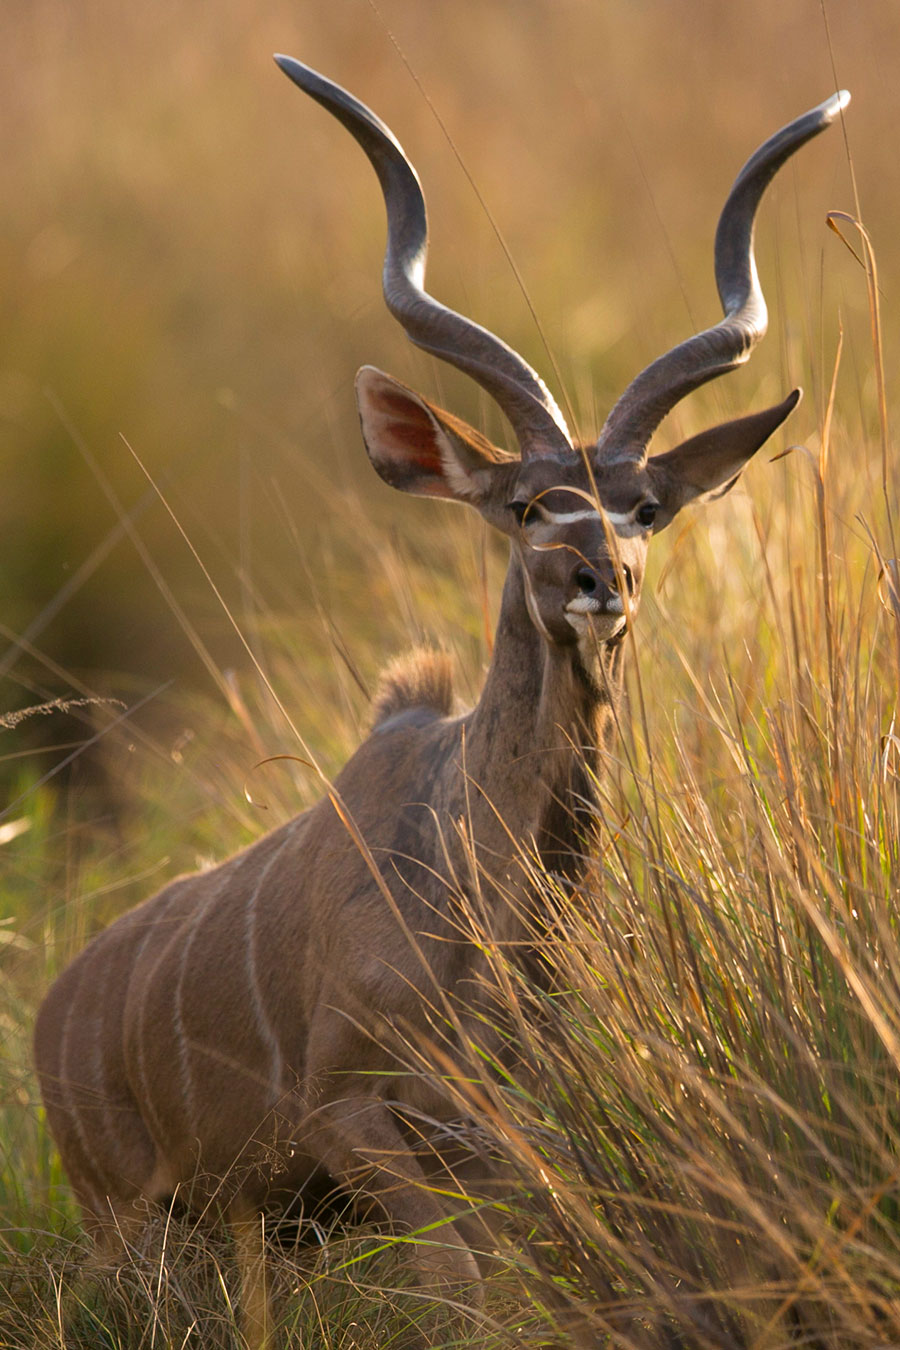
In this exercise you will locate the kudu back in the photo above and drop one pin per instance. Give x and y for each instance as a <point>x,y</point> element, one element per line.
<point>232,1035</point>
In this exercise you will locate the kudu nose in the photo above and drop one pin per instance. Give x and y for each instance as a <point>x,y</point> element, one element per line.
<point>595,581</point>
<point>587,581</point>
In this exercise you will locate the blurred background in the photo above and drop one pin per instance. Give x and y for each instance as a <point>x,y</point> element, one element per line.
<point>189,279</point>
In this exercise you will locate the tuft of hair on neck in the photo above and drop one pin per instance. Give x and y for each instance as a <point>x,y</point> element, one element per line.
<point>422,678</point>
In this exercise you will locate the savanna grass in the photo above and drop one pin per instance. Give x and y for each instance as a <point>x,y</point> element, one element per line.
<point>702,1122</point>
<point>709,1138</point>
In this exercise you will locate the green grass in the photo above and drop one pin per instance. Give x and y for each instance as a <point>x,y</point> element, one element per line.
<point>705,1126</point>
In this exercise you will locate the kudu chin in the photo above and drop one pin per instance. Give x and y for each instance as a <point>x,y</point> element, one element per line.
<point>231,1036</point>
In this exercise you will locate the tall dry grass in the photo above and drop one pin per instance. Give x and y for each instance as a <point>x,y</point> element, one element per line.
<point>704,1128</point>
<point>191,259</point>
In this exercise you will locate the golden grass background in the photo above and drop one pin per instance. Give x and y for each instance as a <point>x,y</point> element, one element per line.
<point>191,258</point>
<point>190,261</point>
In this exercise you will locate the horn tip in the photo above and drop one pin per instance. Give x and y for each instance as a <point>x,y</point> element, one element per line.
<point>834,106</point>
<point>293,69</point>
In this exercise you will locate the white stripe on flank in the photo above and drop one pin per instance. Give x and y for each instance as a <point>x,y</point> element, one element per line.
<point>189,1102</point>
<point>110,1122</point>
<point>66,1085</point>
<point>147,1108</point>
<point>266,1029</point>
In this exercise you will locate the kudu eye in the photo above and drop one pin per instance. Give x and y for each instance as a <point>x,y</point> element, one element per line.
<point>519,510</point>
<point>646,514</point>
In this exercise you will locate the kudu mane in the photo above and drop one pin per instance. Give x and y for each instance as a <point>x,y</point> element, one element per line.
<point>418,679</point>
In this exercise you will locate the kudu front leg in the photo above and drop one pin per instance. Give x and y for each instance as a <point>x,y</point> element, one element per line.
<point>359,1140</point>
<point>246,1223</point>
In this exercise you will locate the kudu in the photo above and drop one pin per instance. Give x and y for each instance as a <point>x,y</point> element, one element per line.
<point>232,1034</point>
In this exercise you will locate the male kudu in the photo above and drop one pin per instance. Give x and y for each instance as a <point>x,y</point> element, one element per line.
<point>232,1034</point>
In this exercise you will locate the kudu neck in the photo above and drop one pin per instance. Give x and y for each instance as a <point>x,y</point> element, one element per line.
<point>556,691</point>
<point>534,739</point>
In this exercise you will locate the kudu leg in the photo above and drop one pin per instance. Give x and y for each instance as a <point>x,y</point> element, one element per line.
<point>246,1224</point>
<point>360,1142</point>
<point>473,1187</point>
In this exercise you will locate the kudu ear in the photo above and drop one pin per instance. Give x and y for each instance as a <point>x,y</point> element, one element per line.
<point>418,447</point>
<point>710,464</point>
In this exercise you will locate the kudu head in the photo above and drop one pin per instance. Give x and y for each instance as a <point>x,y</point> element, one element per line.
<point>579,517</point>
